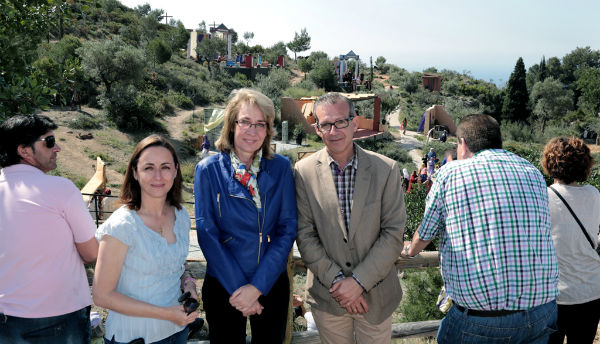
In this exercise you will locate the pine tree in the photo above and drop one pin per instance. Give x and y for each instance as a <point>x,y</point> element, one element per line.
<point>516,99</point>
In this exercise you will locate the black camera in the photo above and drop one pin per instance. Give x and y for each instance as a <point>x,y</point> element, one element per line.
<point>189,303</point>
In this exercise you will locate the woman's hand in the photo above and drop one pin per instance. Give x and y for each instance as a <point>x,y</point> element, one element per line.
<point>177,315</point>
<point>255,308</point>
<point>245,297</point>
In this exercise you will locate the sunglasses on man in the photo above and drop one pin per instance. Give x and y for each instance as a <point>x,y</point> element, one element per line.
<point>50,141</point>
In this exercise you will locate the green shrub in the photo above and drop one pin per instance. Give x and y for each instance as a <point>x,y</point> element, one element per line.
<point>290,154</point>
<point>415,208</point>
<point>273,84</point>
<point>299,131</point>
<point>187,171</point>
<point>516,132</point>
<point>388,148</point>
<point>105,157</point>
<point>84,122</point>
<point>422,287</point>
<point>180,100</point>
<point>80,182</point>
<point>162,106</point>
<point>131,109</point>
<point>323,75</point>
<point>531,152</point>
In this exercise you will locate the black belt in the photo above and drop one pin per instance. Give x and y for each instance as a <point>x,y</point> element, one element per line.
<point>478,313</point>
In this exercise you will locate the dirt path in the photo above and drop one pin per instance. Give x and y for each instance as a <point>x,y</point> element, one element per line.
<point>297,76</point>
<point>176,124</point>
<point>408,141</point>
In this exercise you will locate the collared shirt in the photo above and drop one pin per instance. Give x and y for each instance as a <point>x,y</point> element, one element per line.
<point>344,185</point>
<point>496,249</point>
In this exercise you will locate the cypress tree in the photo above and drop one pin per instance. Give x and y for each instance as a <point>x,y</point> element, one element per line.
<point>543,73</point>
<point>516,100</point>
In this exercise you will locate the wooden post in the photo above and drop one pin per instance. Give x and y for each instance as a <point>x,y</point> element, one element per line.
<point>290,317</point>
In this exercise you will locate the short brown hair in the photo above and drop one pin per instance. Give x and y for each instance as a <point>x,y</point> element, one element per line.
<point>479,132</point>
<point>236,100</point>
<point>131,193</point>
<point>567,159</point>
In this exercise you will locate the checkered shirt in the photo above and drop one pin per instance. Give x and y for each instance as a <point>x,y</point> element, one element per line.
<point>344,185</point>
<point>496,250</point>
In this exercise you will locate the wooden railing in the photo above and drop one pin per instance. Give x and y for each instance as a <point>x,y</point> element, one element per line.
<point>399,330</point>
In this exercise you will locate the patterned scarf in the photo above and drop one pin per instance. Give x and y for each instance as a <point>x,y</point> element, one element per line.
<point>247,177</point>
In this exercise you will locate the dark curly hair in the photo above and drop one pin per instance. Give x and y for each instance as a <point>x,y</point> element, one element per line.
<point>567,159</point>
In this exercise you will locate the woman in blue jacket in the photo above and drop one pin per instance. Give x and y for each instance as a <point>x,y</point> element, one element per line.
<point>246,223</point>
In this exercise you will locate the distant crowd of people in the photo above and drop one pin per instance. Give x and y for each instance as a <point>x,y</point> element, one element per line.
<point>517,258</point>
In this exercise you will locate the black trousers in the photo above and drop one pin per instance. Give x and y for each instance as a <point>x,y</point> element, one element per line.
<point>227,325</point>
<point>578,322</point>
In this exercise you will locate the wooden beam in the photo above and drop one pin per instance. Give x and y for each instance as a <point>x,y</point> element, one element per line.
<point>422,260</point>
<point>400,330</point>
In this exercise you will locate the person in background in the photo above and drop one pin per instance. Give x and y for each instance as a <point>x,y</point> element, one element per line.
<point>350,230</point>
<point>246,221</point>
<point>423,173</point>
<point>404,124</point>
<point>568,161</point>
<point>444,136</point>
<point>449,155</point>
<point>414,179</point>
<point>431,155</point>
<point>205,146</point>
<point>405,179</point>
<point>140,272</point>
<point>430,167</point>
<point>46,235</point>
<point>496,252</point>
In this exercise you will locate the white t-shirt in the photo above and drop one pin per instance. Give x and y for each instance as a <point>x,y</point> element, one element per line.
<point>578,263</point>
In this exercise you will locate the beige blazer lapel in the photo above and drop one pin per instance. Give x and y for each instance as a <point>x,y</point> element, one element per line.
<point>361,189</point>
<point>325,183</point>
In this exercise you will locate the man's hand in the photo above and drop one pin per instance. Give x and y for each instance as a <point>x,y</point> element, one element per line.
<point>358,307</point>
<point>346,291</point>
<point>244,298</point>
<point>402,253</point>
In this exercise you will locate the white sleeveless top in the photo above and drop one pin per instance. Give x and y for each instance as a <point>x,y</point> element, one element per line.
<point>578,263</point>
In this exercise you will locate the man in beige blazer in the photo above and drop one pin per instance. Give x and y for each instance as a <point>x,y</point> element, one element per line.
<point>351,218</point>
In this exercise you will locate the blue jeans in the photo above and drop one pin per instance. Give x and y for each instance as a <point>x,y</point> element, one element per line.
<point>531,326</point>
<point>72,328</point>
<point>177,338</point>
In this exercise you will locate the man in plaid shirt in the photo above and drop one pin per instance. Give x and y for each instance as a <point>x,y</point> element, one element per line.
<point>496,252</point>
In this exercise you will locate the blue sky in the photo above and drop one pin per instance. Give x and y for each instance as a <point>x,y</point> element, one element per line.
<point>483,37</point>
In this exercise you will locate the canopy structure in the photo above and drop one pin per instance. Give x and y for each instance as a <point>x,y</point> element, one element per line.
<point>437,115</point>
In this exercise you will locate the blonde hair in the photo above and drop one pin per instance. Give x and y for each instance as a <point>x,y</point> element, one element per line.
<point>236,100</point>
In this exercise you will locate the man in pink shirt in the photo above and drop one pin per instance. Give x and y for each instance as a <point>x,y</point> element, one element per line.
<point>46,235</point>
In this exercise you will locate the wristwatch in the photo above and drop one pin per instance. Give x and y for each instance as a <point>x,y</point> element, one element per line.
<point>406,248</point>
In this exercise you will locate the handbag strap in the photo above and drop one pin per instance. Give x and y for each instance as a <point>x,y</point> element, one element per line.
<point>587,236</point>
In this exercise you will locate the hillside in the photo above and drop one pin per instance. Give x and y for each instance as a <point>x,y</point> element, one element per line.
<point>76,161</point>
